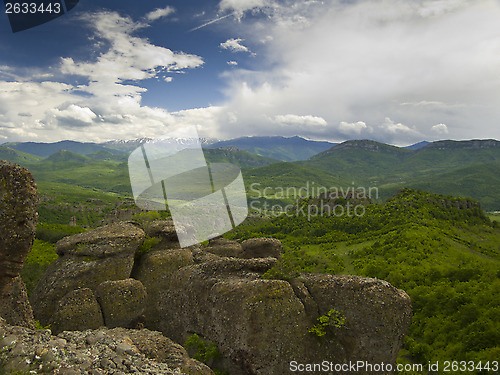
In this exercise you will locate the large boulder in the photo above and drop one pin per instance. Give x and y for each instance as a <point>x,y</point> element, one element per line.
<point>261,326</point>
<point>122,302</point>
<point>85,261</point>
<point>77,311</point>
<point>377,314</point>
<point>261,248</point>
<point>224,248</point>
<point>18,217</point>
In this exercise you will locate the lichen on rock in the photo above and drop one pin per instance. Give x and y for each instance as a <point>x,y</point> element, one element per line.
<point>18,217</point>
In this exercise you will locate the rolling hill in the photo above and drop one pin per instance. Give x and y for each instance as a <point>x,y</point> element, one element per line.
<point>14,156</point>
<point>368,161</point>
<point>461,168</point>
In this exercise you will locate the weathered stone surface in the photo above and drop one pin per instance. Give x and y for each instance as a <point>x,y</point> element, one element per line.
<point>261,325</point>
<point>103,351</point>
<point>122,302</point>
<point>261,248</point>
<point>161,228</point>
<point>224,248</point>
<point>164,230</point>
<point>161,349</point>
<point>77,311</point>
<point>15,308</point>
<point>86,260</point>
<point>377,314</point>
<point>154,270</point>
<point>18,217</point>
<point>103,242</point>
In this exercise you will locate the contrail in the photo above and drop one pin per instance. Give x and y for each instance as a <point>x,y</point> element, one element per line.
<point>212,21</point>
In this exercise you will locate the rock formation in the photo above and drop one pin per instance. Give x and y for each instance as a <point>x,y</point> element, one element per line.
<point>262,325</point>
<point>85,261</point>
<point>259,325</point>
<point>18,217</point>
<point>105,277</point>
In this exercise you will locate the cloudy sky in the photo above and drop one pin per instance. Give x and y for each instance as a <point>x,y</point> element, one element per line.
<point>396,71</point>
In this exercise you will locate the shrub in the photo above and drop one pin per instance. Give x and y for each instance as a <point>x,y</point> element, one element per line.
<point>204,351</point>
<point>332,318</point>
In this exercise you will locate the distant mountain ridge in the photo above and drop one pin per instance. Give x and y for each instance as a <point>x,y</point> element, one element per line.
<point>274,147</point>
<point>280,148</point>
<point>47,149</point>
<point>465,168</point>
<point>364,144</point>
<point>469,144</point>
<point>418,145</point>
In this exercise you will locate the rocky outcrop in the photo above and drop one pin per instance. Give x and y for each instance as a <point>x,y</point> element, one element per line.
<point>18,217</point>
<point>377,314</point>
<point>85,261</point>
<point>103,351</point>
<point>260,325</point>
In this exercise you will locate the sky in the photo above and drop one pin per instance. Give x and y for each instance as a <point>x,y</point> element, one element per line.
<point>395,71</point>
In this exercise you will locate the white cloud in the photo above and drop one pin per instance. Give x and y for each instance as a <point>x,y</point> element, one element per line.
<point>160,13</point>
<point>352,127</point>
<point>234,45</point>
<point>422,63</point>
<point>232,63</point>
<point>440,129</point>
<point>240,6</point>
<point>75,115</point>
<point>395,128</point>
<point>108,104</point>
<point>307,120</point>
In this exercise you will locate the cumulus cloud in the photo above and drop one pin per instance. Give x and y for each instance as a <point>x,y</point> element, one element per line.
<point>352,127</point>
<point>395,128</point>
<point>74,115</point>
<point>440,129</point>
<point>422,63</point>
<point>307,120</point>
<point>160,13</point>
<point>107,104</point>
<point>234,45</point>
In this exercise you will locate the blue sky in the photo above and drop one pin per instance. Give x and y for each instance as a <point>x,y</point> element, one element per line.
<point>394,71</point>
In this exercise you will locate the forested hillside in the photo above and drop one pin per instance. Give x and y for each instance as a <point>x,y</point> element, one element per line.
<point>443,251</point>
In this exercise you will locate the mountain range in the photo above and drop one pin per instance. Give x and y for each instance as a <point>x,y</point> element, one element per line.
<point>279,148</point>
<point>463,168</point>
